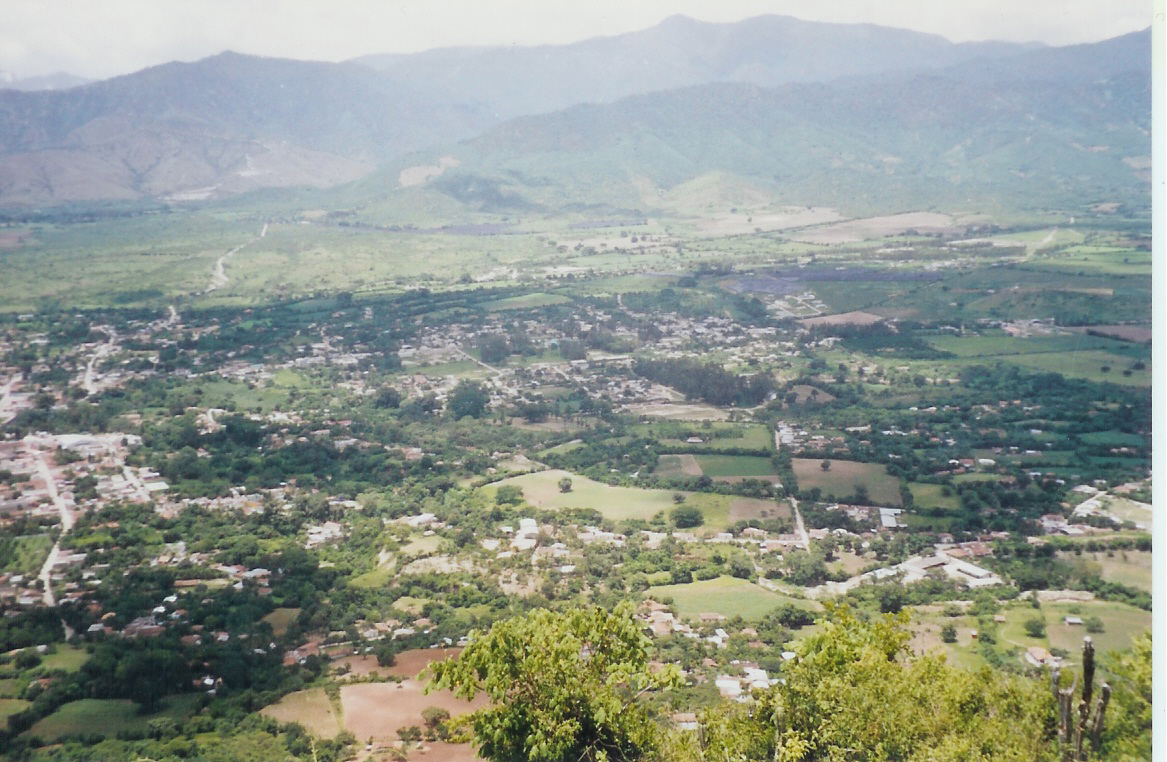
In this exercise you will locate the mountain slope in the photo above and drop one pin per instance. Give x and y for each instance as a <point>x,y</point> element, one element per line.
<point>901,141</point>
<point>679,52</point>
<point>220,125</point>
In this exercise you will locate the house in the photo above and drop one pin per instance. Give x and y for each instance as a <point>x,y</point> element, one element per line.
<point>1039,657</point>
<point>1073,620</point>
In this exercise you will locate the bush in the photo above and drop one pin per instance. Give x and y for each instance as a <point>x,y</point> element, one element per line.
<point>1035,627</point>
<point>948,633</point>
<point>687,516</point>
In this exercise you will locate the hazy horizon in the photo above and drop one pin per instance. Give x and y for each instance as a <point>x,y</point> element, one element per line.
<point>101,40</point>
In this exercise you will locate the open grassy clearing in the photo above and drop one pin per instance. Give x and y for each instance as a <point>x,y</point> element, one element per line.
<point>714,437</point>
<point>932,496</point>
<point>107,717</point>
<point>679,411</point>
<point>1127,567</point>
<point>11,706</point>
<point>844,476</point>
<point>281,619</point>
<point>1002,344</point>
<point>29,554</point>
<point>735,465</point>
<point>679,466</point>
<point>1088,365</point>
<point>617,503</point>
<point>728,596</point>
<point>536,299</point>
<point>1121,623</point>
<point>68,658</point>
<point>310,708</point>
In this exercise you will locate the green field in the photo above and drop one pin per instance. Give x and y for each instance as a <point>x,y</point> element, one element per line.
<point>844,476</point>
<point>616,503</point>
<point>1121,622</point>
<point>68,658</point>
<point>29,554</point>
<point>10,706</point>
<point>281,619</point>
<point>1076,356</point>
<point>735,466</point>
<point>932,496</point>
<point>536,299</point>
<point>728,596</point>
<point>1127,567</point>
<point>715,436</point>
<point>107,717</point>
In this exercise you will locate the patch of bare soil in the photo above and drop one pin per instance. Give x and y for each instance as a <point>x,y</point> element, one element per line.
<point>377,710</point>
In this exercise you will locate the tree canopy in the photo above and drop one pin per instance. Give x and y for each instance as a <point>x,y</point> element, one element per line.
<point>563,686</point>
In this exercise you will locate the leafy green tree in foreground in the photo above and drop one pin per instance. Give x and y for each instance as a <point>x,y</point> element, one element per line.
<point>563,686</point>
<point>855,693</point>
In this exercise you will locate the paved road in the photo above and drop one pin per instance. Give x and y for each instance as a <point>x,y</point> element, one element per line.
<point>66,525</point>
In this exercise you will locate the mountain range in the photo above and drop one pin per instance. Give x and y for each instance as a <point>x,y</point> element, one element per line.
<point>816,113</point>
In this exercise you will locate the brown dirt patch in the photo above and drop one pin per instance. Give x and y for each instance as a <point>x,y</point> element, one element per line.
<point>411,663</point>
<point>445,752</point>
<point>806,396</point>
<point>746,508</point>
<point>377,710</point>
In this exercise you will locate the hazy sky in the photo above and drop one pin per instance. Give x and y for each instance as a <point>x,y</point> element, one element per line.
<point>103,38</point>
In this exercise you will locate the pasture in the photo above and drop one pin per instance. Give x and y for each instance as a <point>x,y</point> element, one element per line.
<point>728,596</point>
<point>541,490</point>
<point>281,619</point>
<point>1121,623</point>
<point>107,717</point>
<point>1127,567</point>
<point>723,466</point>
<point>844,476</point>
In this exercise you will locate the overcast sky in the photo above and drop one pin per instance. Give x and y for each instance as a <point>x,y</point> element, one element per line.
<point>103,38</point>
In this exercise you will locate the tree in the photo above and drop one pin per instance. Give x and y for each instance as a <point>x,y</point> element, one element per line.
<point>948,633</point>
<point>687,516</point>
<point>1035,627</point>
<point>562,686</point>
<point>854,692</point>
<point>493,348</point>
<point>469,398</point>
<point>825,465</point>
<point>508,494</point>
<point>565,484</point>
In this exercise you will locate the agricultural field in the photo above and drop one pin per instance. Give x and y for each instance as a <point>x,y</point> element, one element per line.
<point>311,708</point>
<point>107,716</point>
<point>728,596</point>
<point>844,477</point>
<point>377,710</point>
<point>541,490</point>
<point>735,466</point>
<point>1131,567</point>
<point>281,619</point>
<point>932,496</point>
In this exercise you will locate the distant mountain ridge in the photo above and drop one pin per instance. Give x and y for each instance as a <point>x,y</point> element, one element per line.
<point>696,97</point>
<point>679,52</point>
